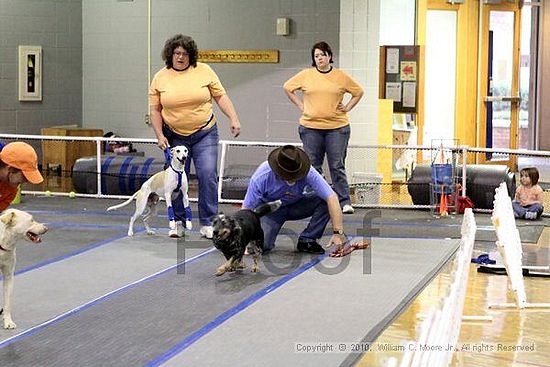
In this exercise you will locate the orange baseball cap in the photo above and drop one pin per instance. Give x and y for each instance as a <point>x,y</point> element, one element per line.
<point>23,157</point>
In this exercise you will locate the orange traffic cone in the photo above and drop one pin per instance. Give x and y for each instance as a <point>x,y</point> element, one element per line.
<point>443,205</point>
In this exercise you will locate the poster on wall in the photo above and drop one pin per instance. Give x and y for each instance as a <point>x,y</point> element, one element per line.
<point>408,70</point>
<point>393,91</point>
<point>30,73</point>
<point>392,61</point>
<point>409,94</point>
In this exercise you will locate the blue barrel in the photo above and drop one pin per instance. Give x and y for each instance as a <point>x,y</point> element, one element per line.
<point>120,175</point>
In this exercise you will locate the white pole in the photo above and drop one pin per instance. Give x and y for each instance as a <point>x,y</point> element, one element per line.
<point>98,151</point>
<point>222,168</point>
<point>464,160</point>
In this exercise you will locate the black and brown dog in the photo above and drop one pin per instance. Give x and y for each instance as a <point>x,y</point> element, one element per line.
<point>233,233</point>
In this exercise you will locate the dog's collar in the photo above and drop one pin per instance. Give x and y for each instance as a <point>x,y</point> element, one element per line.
<point>3,249</point>
<point>175,170</point>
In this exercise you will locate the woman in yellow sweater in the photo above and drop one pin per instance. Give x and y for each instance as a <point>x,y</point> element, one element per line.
<point>180,98</point>
<point>324,125</point>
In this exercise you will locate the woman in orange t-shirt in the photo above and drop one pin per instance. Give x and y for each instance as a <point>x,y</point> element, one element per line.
<point>324,124</point>
<point>180,99</point>
<point>529,195</point>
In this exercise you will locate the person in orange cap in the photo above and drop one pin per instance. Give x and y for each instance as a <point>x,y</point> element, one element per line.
<point>18,164</point>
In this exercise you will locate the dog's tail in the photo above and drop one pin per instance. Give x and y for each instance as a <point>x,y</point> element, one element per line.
<point>118,206</point>
<point>267,208</point>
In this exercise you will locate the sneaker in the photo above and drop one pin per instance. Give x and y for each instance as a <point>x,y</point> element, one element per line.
<point>207,231</point>
<point>348,209</point>
<point>310,247</point>
<point>531,215</point>
<point>176,232</point>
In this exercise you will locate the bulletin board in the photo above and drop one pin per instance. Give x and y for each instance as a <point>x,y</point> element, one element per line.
<point>399,67</point>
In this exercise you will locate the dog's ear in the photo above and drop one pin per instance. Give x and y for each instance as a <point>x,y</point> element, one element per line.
<point>8,218</point>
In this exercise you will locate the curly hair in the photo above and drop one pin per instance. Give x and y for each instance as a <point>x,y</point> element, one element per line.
<point>176,41</point>
<point>323,46</point>
<point>533,174</point>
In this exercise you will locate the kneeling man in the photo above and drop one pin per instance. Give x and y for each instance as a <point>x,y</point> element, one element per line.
<point>287,175</point>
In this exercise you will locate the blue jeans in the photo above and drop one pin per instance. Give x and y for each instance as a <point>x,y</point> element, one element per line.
<point>203,150</point>
<point>309,206</point>
<point>519,211</point>
<point>334,143</point>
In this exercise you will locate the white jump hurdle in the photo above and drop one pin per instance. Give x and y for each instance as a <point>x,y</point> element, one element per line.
<point>440,330</point>
<point>509,246</point>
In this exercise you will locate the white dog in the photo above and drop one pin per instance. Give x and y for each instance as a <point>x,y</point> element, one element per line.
<point>168,184</point>
<point>14,224</point>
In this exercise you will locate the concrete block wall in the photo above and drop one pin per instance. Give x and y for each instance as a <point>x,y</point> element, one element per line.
<point>115,58</point>
<point>359,56</point>
<point>56,25</point>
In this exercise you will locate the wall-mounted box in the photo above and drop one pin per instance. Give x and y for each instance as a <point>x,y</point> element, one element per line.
<point>30,73</point>
<point>283,26</point>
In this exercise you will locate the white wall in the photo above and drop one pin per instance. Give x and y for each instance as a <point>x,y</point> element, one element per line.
<point>359,56</point>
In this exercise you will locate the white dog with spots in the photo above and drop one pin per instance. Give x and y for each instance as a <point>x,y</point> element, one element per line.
<point>14,224</point>
<point>167,184</point>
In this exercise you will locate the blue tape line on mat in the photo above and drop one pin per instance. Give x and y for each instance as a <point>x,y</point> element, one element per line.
<point>188,341</point>
<point>104,168</point>
<point>84,225</point>
<point>98,300</point>
<point>77,212</point>
<point>70,254</point>
<point>122,175</point>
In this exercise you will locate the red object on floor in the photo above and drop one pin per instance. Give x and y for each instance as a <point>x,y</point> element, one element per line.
<point>348,249</point>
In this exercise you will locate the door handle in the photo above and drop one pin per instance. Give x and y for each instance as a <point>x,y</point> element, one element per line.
<point>513,99</point>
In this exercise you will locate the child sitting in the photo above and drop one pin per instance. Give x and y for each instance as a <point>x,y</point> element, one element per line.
<point>529,195</point>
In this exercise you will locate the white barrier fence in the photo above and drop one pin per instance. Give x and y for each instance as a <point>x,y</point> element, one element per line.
<point>440,330</point>
<point>373,173</point>
<point>509,246</point>
<point>509,243</point>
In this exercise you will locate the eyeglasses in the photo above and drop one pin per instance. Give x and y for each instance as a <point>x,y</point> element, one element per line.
<point>181,54</point>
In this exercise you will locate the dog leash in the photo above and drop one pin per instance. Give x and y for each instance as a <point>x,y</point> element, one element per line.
<point>167,156</point>
<point>168,162</point>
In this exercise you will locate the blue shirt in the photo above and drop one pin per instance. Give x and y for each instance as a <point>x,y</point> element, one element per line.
<point>266,186</point>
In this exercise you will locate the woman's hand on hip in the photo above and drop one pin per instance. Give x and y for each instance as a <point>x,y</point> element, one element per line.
<point>342,108</point>
<point>162,142</point>
<point>235,127</point>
